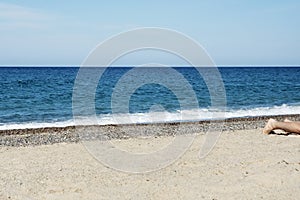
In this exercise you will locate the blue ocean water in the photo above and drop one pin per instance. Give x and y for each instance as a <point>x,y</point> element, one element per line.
<point>42,96</point>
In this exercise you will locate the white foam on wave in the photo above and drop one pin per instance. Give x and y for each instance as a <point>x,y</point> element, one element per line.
<point>31,125</point>
<point>162,117</point>
<point>265,111</point>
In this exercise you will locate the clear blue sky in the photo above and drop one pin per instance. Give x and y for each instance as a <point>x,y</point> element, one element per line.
<point>234,32</point>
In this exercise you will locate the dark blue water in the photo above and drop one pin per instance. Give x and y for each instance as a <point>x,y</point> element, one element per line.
<point>43,94</point>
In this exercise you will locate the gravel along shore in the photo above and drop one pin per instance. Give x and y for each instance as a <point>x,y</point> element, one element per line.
<point>71,134</point>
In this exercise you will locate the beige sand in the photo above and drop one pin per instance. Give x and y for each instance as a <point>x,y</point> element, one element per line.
<point>243,165</point>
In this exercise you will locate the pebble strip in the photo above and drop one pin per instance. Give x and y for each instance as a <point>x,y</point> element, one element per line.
<point>51,135</point>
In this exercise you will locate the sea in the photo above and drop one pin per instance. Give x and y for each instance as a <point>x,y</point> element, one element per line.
<point>34,97</point>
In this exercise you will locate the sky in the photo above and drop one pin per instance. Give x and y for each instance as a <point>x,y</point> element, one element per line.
<point>253,32</point>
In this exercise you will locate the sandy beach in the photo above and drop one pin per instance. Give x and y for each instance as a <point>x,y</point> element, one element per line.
<point>244,164</point>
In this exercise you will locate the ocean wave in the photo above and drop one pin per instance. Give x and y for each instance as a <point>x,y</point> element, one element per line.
<point>161,117</point>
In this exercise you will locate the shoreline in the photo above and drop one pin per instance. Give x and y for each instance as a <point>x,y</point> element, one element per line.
<point>74,134</point>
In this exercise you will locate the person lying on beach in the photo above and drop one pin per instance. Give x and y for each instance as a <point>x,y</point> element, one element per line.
<point>286,125</point>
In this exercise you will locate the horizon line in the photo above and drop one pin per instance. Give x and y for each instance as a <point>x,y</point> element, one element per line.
<point>132,65</point>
